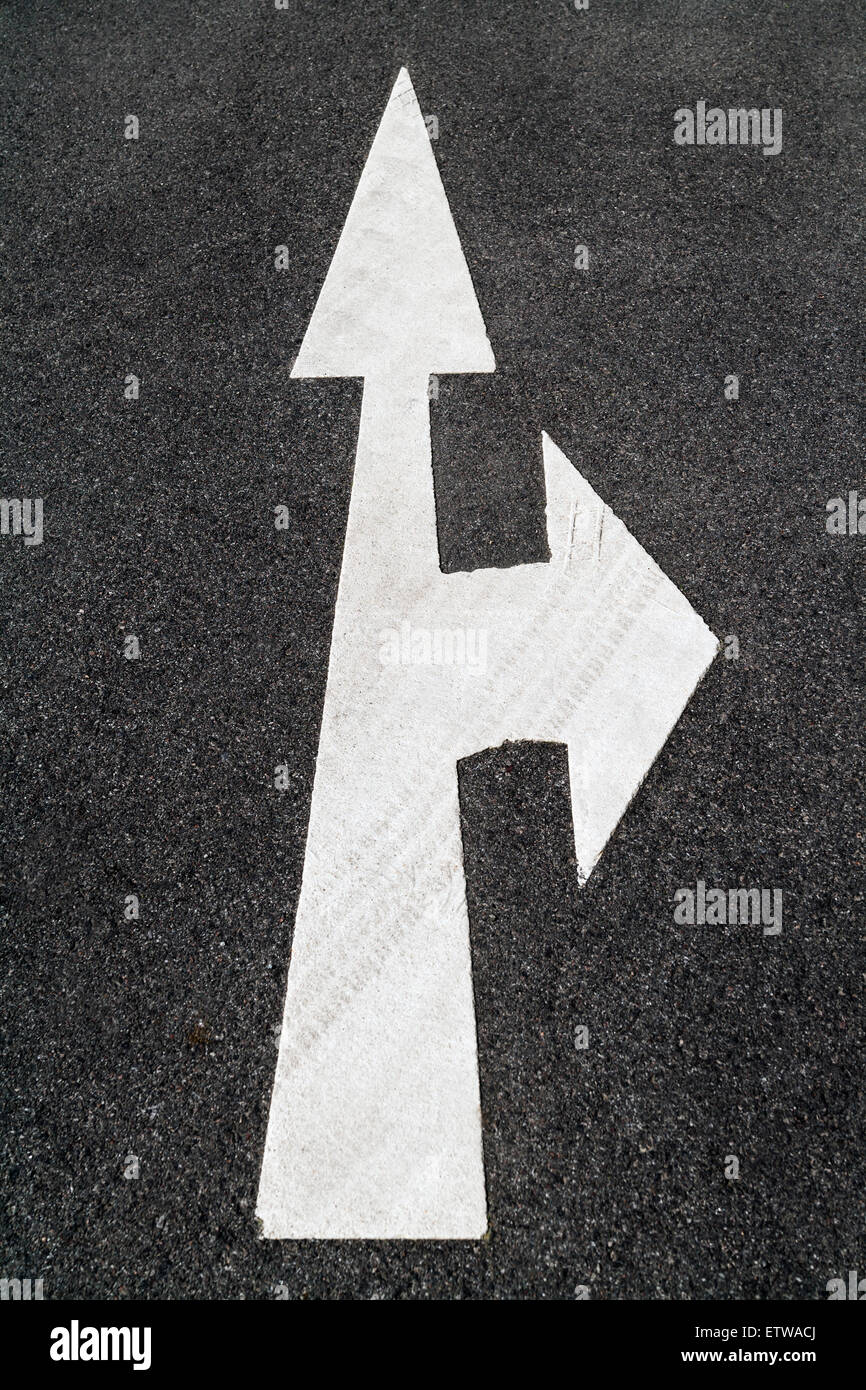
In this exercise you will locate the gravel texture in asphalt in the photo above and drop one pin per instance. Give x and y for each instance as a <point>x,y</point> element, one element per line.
<point>155,1038</point>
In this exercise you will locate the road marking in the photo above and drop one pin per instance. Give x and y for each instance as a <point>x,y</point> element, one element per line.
<point>375,1126</point>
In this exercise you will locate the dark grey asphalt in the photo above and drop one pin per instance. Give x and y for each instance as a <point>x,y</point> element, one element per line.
<point>155,1038</point>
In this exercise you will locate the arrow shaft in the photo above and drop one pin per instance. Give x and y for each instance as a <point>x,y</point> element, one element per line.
<point>375,1117</point>
<point>391,540</point>
<point>375,1124</point>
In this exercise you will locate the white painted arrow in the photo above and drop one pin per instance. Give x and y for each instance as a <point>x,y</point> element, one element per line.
<point>375,1127</point>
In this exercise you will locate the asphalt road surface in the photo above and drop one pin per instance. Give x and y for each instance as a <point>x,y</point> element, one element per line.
<point>154,1039</point>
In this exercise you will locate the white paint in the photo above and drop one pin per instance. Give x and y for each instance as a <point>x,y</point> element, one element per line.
<point>398,296</point>
<point>374,1128</point>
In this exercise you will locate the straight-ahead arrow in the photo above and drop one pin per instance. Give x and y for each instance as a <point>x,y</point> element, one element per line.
<point>375,1127</point>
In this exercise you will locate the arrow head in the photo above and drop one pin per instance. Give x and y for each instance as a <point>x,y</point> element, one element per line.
<point>398,298</point>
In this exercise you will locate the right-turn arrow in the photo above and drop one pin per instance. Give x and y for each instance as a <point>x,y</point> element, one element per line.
<point>375,1127</point>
